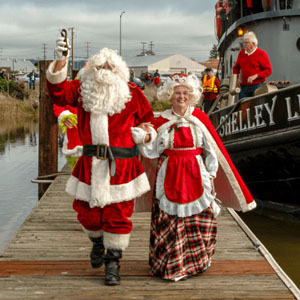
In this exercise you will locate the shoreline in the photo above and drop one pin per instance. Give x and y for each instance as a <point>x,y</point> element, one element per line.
<point>12,108</point>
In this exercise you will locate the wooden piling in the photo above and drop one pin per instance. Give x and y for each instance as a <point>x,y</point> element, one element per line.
<point>48,132</point>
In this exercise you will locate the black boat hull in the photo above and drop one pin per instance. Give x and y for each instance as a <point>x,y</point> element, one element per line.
<point>262,136</point>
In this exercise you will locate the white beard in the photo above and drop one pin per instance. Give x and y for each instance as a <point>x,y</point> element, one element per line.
<point>103,91</point>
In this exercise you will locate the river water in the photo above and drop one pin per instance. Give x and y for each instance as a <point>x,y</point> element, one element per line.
<point>19,164</point>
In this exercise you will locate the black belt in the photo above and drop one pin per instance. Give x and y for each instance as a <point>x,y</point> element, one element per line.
<point>102,151</point>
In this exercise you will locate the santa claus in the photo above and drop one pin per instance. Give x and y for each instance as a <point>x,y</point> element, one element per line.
<point>108,174</point>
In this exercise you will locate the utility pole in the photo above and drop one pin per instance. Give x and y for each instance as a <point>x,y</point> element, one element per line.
<point>87,50</point>
<point>44,50</point>
<point>72,48</point>
<point>123,12</point>
<point>143,50</point>
<point>151,47</point>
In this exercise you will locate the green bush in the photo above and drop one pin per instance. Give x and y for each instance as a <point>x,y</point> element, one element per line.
<point>3,85</point>
<point>161,105</point>
<point>16,89</point>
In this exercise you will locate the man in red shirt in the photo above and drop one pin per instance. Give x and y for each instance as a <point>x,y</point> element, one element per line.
<point>254,65</point>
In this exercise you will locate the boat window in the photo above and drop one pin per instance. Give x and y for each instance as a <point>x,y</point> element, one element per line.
<point>298,43</point>
<point>286,4</point>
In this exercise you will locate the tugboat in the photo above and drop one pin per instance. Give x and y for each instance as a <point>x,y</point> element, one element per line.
<point>262,133</point>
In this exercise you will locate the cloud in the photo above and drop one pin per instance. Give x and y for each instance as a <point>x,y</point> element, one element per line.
<point>29,27</point>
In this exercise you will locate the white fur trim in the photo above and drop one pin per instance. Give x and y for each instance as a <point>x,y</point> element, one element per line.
<point>56,77</point>
<point>138,135</point>
<point>75,152</point>
<point>115,241</point>
<point>78,189</point>
<point>153,135</point>
<point>234,185</point>
<point>114,193</point>
<point>251,205</point>
<point>93,234</point>
<point>63,114</point>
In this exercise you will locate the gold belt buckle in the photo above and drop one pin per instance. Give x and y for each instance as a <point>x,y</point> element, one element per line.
<point>98,152</point>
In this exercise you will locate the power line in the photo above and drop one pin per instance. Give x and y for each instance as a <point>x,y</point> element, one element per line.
<point>44,50</point>
<point>143,50</point>
<point>87,49</point>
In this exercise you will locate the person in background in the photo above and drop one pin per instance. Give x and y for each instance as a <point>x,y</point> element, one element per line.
<point>156,78</point>
<point>131,76</point>
<point>211,88</point>
<point>183,222</point>
<point>148,78</point>
<point>2,73</point>
<point>32,78</point>
<point>254,65</point>
<point>108,175</point>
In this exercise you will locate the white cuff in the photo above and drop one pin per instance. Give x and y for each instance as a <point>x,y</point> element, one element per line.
<point>75,152</point>
<point>139,135</point>
<point>56,77</point>
<point>63,114</point>
<point>153,135</point>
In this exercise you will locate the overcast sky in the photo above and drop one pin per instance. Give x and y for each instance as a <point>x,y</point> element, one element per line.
<point>173,26</point>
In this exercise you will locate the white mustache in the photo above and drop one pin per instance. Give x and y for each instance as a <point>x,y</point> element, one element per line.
<point>106,76</point>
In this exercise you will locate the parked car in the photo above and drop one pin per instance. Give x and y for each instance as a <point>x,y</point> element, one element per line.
<point>164,77</point>
<point>139,83</point>
<point>23,78</point>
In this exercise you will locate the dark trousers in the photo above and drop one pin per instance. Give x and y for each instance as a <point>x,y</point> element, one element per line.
<point>207,105</point>
<point>31,84</point>
<point>248,90</point>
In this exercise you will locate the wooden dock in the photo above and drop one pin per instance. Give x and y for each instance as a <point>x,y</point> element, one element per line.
<point>48,258</point>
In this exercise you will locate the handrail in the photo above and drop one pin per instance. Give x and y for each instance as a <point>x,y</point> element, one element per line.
<point>266,254</point>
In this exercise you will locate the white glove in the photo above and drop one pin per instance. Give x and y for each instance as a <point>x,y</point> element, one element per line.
<point>62,46</point>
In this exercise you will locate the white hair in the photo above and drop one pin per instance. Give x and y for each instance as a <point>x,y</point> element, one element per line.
<point>251,36</point>
<point>191,82</point>
<point>105,90</point>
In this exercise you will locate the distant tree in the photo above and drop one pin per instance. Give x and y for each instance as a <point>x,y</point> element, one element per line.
<point>213,52</point>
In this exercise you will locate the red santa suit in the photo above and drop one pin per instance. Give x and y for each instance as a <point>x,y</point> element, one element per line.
<point>104,202</point>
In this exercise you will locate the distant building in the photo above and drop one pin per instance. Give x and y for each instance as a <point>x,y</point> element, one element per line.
<point>17,65</point>
<point>166,64</point>
<point>212,63</point>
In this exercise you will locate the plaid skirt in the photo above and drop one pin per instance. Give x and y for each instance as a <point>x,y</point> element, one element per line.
<point>181,246</point>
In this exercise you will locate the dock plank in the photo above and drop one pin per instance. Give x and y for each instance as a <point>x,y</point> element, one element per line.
<point>48,258</point>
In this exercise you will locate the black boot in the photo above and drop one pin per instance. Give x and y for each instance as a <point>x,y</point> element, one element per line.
<point>97,253</point>
<point>112,266</point>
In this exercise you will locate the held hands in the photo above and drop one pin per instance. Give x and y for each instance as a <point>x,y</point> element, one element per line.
<point>61,46</point>
<point>142,133</point>
<point>252,78</point>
